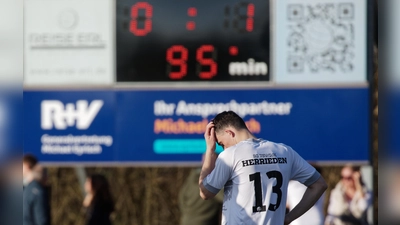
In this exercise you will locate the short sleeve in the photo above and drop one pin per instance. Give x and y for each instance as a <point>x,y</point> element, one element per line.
<point>222,172</point>
<point>302,171</point>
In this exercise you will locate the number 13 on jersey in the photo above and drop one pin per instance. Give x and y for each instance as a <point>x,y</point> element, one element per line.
<point>256,177</point>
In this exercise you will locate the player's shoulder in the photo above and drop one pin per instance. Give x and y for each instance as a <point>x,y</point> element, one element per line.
<point>280,149</point>
<point>229,153</point>
<point>278,146</point>
<point>234,148</point>
<point>257,144</point>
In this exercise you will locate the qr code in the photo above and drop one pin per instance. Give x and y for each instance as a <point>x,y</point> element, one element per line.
<point>320,37</point>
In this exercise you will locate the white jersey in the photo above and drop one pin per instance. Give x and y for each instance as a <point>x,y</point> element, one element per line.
<point>255,174</point>
<point>315,215</point>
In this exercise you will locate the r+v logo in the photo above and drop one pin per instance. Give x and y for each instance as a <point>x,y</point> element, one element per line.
<point>80,115</point>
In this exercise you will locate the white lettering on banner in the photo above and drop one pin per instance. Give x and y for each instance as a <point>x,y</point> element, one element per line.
<point>163,109</point>
<point>78,145</point>
<point>71,149</point>
<point>263,108</point>
<point>53,113</point>
<point>77,140</point>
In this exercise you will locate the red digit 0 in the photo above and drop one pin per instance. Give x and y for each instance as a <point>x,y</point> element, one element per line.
<point>181,61</point>
<point>133,27</point>
<point>201,61</point>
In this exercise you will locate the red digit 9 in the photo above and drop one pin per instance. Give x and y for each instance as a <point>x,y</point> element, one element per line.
<point>180,61</point>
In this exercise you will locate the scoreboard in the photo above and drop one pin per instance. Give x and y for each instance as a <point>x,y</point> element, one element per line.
<point>192,41</point>
<point>135,81</point>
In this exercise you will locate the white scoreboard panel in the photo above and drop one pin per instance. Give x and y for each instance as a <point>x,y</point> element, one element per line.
<point>68,42</point>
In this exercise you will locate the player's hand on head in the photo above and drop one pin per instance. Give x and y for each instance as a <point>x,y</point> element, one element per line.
<point>209,136</point>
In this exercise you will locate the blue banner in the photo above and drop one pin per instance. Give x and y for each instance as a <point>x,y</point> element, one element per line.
<point>69,126</point>
<point>167,126</point>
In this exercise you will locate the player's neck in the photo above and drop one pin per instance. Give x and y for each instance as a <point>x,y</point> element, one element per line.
<point>244,135</point>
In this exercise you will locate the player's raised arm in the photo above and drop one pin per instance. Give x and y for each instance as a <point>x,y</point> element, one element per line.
<point>310,197</point>
<point>209,160</point>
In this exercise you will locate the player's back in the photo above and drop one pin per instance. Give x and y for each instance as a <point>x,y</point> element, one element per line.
<point>256,190</point>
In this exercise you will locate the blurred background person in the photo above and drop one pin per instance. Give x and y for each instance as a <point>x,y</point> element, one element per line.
<point>98,202</point>
<point>349,200</point>
<point>389,194</point>
<point>194,210</point>
<point>11,190</point>
<point>315,215</point>
<point>36,204</point>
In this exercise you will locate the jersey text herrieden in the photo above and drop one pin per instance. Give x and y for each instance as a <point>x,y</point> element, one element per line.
<point>252,162</point>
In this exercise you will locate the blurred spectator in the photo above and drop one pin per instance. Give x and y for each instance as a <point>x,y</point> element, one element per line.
<point>11,190</point>
<point>98,201</point>
<point>389,193</point>
<point>36,207</point>
<point>194,210</point>
<point>315,215</point>
<point>349,200</point>
<point>393,192</point>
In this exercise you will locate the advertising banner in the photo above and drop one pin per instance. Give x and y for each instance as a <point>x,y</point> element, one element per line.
<point>167,126</point>
<point>68,42</point>
<point>70,126</point>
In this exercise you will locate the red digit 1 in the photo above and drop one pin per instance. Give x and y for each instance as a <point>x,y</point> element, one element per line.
<point>181,62</point>
<point>241,19</point>
<point>250,15</point>
<point>201,61</point>
<point>133,26</point>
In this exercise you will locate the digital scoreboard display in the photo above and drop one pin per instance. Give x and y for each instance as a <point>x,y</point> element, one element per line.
<point>182,40</point>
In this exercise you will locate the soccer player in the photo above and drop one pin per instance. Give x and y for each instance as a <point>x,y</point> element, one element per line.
<point>254,174</point>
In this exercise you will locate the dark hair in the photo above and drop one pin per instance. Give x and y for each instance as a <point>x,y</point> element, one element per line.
<point>30,160</point>
<point>101,190</point>
<point>355,168</point>
<point>228,118</point>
